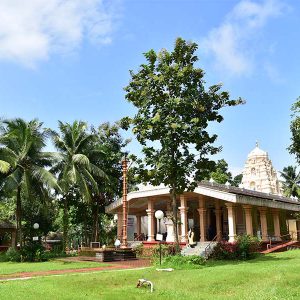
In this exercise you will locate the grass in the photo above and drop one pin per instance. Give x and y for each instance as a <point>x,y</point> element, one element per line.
<point>274,276</point>
<point>13,267</point>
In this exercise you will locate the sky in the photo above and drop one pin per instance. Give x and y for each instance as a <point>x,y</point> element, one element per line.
<point>70,59</point>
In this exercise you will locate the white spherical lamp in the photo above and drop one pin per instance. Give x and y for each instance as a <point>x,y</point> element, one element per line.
<point>159,214</point>
<point>36,226</point>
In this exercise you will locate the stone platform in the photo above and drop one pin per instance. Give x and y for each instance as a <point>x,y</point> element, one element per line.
<point>107,254</point>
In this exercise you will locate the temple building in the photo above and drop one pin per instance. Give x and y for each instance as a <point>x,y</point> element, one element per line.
<point>215,211</point>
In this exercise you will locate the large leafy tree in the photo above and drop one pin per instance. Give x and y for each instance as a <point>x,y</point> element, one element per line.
<point>291,182</point>
<point>24,164</point>
<point>74,169</point>
<point>173,111</point>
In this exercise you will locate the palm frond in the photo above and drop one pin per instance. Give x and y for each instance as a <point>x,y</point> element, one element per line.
<point>81,160</point>
<point>45,177</point>
<point>4,167</point>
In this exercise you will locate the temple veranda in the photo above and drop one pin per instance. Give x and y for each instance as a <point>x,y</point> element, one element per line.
<point>212,209</point>
<point>215,211</point>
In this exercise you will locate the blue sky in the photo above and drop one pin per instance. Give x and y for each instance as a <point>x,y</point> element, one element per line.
<point>67,60</point>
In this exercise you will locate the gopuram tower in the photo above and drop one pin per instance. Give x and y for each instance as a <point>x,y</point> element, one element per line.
<point>259,174</point>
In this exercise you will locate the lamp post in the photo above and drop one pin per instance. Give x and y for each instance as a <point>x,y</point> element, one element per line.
<point>159,214</point>
<point>36,226</point>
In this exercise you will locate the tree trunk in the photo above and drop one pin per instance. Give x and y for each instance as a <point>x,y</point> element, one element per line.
<point>85,235</point>
<point>66,224</point>
<point>96,222</point>
<point>175,219</point>
<point>19,218</point>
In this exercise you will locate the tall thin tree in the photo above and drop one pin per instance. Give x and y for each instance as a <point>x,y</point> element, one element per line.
<point>74,169</point>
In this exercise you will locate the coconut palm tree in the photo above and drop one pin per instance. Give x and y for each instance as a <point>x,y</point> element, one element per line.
<point>23,163</point>
<point>74,169</point>
<point>291,181</point>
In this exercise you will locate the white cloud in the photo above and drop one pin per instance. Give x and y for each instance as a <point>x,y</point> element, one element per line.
<point>273,73</point>
<point>232,44</point>
<point>32,30</point>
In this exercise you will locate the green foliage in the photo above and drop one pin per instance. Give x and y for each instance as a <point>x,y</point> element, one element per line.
<point>272,276</point>
<point>13,254</point>
<point>221,173</point>
<point>21,146</point>
<point>294,148</point>
<point>291,181</point>
<point>237,180</point>
<point>183,262</point>
<point>139,249</point>
<point>245,247</point>
<point>47,255</point>
<point>33,251</point>
<point>173,111</point>
<point>7,209</point>
<point>166,250</point>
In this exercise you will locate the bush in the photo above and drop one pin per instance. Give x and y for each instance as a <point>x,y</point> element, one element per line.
<point>33,251</point>
<point>13,254</point>
<point>183,262</point>
<point>139,250</point>
<point>3,257</point>
<point>245,247</point>
<point>166,250</point>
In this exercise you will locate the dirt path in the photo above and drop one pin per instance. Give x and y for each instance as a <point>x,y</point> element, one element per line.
<point>120,265</point>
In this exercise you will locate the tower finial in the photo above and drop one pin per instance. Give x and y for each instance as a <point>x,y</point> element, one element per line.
<point>256,144</point>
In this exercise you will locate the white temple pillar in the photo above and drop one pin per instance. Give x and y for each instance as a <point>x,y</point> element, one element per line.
<point>183,218</point>
<point>202,216</point>
<point>169,224</point>
<point>263,223</point>
<point>276,222</point>
<point>248,218</point>
<point>231,222</point>
<point>150,213</point>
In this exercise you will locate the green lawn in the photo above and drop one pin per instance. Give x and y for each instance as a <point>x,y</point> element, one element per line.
<point>12,267</point>
<point>274,276</point>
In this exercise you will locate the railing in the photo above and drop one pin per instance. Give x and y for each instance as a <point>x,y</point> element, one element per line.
<point>269,246</point>
<point>208,247</point>
<point>140,237</point>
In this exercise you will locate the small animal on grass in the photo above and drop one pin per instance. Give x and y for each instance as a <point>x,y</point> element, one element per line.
<point>142,282</point>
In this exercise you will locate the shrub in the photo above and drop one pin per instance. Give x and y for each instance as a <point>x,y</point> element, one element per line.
<point>244,247</point>
<point>3,257</point>
<point>139,249</point>
<point>33,251</point>
<point>247,246</point>
<point>13,254</point>
<point>183,262</point>
<point>166,250</point>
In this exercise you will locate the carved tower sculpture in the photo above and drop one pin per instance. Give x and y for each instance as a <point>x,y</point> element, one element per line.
<point>259,173</point>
